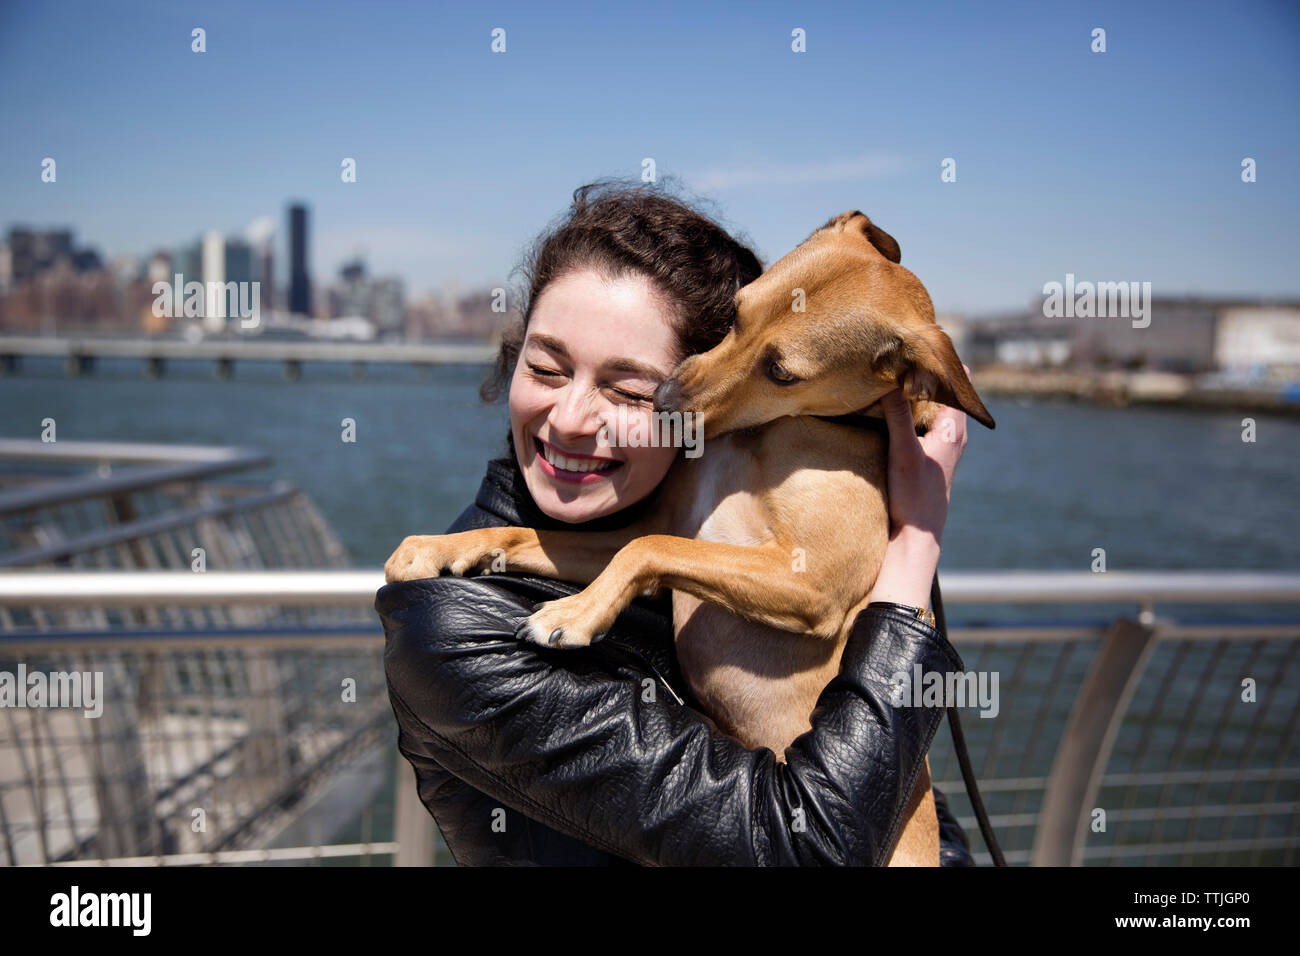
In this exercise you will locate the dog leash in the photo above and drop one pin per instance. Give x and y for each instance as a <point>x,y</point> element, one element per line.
<point>959,743</point>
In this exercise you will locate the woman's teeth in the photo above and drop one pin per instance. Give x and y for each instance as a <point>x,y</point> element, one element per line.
<point>574,464</point>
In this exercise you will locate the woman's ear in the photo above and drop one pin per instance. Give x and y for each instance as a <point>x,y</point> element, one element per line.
<point>931,369</point>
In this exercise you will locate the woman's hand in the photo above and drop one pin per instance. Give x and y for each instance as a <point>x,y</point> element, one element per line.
<point>920,473</point>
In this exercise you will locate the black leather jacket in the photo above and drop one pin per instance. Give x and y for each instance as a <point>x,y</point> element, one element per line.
<point>531,756</point>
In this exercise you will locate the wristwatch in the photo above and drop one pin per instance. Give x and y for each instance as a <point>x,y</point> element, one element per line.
<point>920,613</point>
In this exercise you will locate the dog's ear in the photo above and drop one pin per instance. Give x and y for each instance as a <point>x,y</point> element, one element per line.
<point>936,372</point>
<point>885,244</point>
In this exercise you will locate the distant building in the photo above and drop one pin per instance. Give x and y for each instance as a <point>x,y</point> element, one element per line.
<point>187,262</point>
<point>214,277</point>
<point>453,315</point>
<point>33,251</point>
<point>140,302</point>
<point>299,280</point>
<point>956,328</point>
<point>352,297</point>
<point>353,271</point>
<point>159,267</point>
<point>1179,338</point>
<point>87,260</point>
<point>215,261</point>
<point>1187,334</point>
<point>381,301</point>
<point>240,264</point>
<point>1017,338</point>
<point>1258,336</point>
<point>388,308</point>
<point>266,276</point>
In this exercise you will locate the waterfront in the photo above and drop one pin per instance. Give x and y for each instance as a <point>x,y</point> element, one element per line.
<point>1157,488</point>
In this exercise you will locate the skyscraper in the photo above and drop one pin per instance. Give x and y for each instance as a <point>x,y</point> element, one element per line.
<point>266,275</point>
<point>212,253</point>
<point>299,281</point>
<point>34,251</point>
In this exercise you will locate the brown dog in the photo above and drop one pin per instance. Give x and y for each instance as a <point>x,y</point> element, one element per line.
<point>772,540</point>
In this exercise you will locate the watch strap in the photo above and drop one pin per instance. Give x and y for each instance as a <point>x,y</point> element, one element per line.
<point>920,613</point>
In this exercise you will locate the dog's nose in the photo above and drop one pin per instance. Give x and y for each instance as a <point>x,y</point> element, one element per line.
<point>667,395</point>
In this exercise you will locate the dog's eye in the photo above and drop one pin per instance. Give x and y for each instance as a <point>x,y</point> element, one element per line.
<point>776,371</point>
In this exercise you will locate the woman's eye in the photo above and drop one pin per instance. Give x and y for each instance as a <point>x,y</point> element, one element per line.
<point>633,397</point>
<point>537,369</point>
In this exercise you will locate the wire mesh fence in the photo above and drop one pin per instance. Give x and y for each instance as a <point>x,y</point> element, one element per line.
<point>212,725</point>
<point>1203,767</point>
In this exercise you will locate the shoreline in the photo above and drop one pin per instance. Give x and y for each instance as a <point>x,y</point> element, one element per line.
<point>1116,387</point>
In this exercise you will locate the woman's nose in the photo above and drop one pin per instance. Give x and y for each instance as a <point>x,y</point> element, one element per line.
<point>575,413</point>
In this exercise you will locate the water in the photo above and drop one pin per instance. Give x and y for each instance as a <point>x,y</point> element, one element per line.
<point>1156,488</point>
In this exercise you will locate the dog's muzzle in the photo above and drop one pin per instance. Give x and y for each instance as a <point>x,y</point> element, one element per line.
<point>667,397</point>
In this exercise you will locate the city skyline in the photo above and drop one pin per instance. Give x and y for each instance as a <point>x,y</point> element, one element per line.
<point>219,284</point>
<point>260,238</point>
<point>1067,160</point>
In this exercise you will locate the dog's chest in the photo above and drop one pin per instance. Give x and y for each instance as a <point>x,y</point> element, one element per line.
<point>722,505</point>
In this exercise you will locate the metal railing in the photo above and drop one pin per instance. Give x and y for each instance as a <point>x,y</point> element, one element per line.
<point>222,719</point>
<point>1134,737</point>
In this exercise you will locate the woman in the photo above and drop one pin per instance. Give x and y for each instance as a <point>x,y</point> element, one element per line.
<point>528,755</point>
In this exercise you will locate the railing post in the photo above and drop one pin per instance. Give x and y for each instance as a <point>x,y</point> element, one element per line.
<point>412,823</point>
<point>1086,743</point>
<point>123,798</point>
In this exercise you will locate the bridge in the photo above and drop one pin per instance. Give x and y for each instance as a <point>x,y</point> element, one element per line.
<point>80,353</point>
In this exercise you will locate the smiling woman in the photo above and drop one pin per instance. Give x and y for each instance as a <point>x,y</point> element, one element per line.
<point>570,383</point>
<point>525,754</point>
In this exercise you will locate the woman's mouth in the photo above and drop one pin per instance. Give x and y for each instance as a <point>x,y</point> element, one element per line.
<point>572,468</point>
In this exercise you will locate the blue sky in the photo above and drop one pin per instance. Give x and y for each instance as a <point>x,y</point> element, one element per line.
<point>1117,166</point>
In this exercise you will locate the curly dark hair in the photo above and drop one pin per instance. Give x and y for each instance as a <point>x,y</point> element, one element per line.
<point>620,227</point>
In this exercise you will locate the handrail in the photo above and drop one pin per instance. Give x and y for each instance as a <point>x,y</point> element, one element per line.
<point>280,491</point>
<point>1057,587</point>
<point>64,491</point>
<point>174,588</point>
<point>340,587</point>
<point>309,637</point>
<point>31,448</point>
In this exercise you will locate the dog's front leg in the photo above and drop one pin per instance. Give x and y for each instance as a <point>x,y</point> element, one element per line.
<point>567,555</point>
<point>756,583</point>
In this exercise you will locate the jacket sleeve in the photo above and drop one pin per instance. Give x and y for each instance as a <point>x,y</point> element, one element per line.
<point>558,738</point>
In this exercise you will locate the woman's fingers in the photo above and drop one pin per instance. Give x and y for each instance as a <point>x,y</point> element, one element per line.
<point>946,439</point>
<point>902,430</point>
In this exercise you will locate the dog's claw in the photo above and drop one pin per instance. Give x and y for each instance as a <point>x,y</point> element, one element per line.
<point>556,635</point>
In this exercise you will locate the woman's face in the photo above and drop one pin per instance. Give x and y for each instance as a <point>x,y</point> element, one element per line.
<point>593,343</point>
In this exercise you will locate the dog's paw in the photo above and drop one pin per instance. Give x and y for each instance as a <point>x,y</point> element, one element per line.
<point>567,622</point>
<point>426,556</point>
